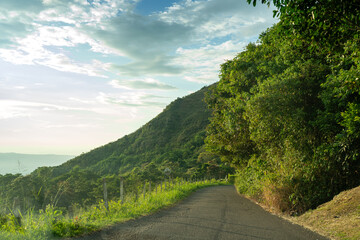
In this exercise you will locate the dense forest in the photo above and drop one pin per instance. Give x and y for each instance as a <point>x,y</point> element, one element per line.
<point>286,111</point>
<point>174,140</point>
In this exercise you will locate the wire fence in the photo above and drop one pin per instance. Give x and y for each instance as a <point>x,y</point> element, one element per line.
<point>126,193</point>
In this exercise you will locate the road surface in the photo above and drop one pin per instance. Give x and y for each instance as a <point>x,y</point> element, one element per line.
<point>211,213</point>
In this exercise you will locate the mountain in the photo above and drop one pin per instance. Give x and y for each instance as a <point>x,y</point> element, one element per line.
<point>174,139</point>
<point>26,163</point>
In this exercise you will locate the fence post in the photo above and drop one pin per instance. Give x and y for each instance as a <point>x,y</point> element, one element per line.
<point>144,189</point>
<point>16,211</point>
<point>121,190</point>
<point>136,192</point>
<point>71,211</point>
<point>105,195</point>
<point>149,187</point>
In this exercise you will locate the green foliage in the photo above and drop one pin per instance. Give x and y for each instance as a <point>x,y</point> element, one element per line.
<point>71,228</point>
<point>286,110</point>
<point>325,24</point>
<point>53,223</point>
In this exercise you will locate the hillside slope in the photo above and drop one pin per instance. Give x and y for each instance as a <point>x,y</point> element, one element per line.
<point>174,138</point>
<point>338,219</point>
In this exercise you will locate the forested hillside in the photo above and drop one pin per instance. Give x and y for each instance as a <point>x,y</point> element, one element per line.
<point>286,112</point>
<point>174,140</point>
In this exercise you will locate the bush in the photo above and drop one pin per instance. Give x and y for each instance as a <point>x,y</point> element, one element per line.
<point>70,228</point>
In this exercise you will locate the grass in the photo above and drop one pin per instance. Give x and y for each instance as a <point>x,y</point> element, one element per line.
<point>54,224</point>
<point>338,219</point>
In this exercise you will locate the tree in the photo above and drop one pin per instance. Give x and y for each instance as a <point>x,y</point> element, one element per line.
<point>286,110</point>
<point>326,24</point>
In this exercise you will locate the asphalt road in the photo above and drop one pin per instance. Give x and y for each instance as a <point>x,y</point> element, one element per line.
<point>210,213</point>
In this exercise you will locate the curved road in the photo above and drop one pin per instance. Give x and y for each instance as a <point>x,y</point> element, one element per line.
<point>210,214</point>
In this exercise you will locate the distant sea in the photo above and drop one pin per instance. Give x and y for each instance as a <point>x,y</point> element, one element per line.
<point>26,163</point>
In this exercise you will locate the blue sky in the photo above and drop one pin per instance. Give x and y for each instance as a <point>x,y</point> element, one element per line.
<point>77,74</point>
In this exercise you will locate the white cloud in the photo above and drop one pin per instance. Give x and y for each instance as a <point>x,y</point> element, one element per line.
<point>13,26</point>
<point>32,50</point>
<point>203,63</point>
<point>29,6</point>
<point>111,27</point>
<point>67,126</point>
<point>129,31</point>
<point>16,109</point>
<point>80,12</point>
<point>130,99</point>
<point>8,112</point>
<point>185,24</point>
<point>81,100</point>
<point>27,36</point>
<point>219,18</point>
<point>30,56</point>
<point>147,83</point>
<point>20,87</point>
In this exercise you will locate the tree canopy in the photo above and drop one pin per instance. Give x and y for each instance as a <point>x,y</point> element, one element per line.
<point>286,109</point>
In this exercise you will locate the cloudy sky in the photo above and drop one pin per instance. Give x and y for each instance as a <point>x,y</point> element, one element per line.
<point>77,74</point>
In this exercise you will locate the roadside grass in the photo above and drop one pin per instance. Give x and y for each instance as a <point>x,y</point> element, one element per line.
<point>338,219</point>
<point>54,224</point>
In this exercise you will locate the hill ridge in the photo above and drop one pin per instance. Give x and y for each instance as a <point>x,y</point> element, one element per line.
<point>182,122</point>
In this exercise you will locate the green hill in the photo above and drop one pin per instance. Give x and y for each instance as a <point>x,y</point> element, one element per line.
<point>174,139</point>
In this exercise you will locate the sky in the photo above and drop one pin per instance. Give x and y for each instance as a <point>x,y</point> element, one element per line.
<point>77,74</point>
